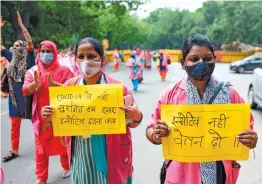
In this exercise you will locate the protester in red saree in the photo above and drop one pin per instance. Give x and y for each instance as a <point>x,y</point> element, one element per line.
<point>47,72</point>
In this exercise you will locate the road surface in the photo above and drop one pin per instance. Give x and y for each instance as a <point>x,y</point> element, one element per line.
<point>147,157</point>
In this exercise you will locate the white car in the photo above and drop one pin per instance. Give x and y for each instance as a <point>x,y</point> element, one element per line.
<point>255,89</point>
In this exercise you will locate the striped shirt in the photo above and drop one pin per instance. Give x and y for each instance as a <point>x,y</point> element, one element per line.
<point>83,170</point>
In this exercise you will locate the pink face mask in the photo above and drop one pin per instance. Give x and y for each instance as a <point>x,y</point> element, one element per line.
<point>89,68</point>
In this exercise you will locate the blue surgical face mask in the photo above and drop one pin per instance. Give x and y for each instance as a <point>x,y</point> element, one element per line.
<point>200,71</point>
<point>47,58</point>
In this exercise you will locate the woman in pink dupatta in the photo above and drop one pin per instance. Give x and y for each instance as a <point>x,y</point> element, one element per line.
<point>47,72</point>
<point>139,58</point>
<point>134,73</point>
<point>148,59</point>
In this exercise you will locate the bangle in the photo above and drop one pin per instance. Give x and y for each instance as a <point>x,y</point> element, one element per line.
<point>140,119</point>
<point>25,31</point>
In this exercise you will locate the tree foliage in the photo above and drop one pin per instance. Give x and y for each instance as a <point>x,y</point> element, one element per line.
<point>67,21</point>
<point>223,22</point>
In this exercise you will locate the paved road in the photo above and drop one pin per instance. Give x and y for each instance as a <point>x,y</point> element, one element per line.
<point>147,157</point>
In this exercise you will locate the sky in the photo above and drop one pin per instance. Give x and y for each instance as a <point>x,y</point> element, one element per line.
<point>145,9</point>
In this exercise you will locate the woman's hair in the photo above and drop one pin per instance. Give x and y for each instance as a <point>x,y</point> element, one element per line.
<point>96,44</point>
<point>198,40</point>
<point>21,43</point>
<point>133,56</point>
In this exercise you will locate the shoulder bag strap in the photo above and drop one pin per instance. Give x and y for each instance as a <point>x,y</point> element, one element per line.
<point>221,85</point>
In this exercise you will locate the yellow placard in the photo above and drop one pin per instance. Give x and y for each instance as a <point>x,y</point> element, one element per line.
<point>85,110</point>
<point>202,133</point>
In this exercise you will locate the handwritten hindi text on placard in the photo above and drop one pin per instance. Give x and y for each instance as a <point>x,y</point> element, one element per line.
<point>205,132</point>
<point>84,110</point>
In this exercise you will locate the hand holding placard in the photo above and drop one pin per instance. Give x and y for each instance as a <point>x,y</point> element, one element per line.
<point>202,133</point>
<point>84,110</point>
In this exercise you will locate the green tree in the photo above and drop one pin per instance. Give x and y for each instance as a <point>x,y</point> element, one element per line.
<point>66,20</point>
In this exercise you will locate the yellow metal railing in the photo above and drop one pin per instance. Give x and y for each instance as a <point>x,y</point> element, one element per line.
<point>176,55</point>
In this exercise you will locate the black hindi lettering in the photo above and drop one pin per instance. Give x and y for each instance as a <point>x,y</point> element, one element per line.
<point>94,121</point>
<point>187,141</point>
<point>72,120</point>
<point>109,110</point>
<point>110,121</point>
<point>88,95</point>
<point>186,120</point>
<point>70,108</point>
<point>236,143</point>
<point>219,122</point>
<point>91,109</point>
<point>103,96</point>
<point>217,139</point>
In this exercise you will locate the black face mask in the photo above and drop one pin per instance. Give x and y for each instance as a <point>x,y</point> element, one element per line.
<point>200,71</point>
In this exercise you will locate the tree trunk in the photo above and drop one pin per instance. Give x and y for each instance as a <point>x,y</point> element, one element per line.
<point>19,35</point>
<point>109,38</point>
<point>25,14</point>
